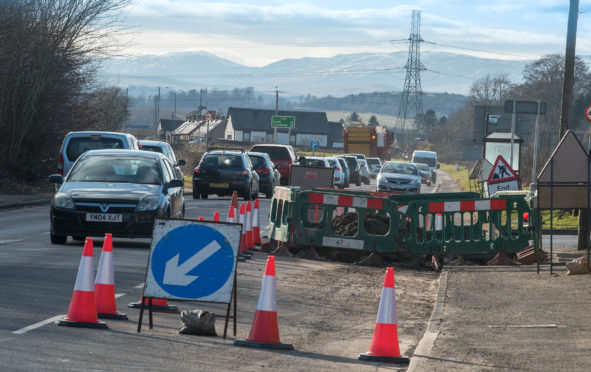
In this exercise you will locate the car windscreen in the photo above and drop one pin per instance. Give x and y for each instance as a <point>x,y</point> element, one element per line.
<point>151,148</point>
<point>423,167</point>
<point>313,163</point>
<point>120,169</point>
<point>79,145</point>
<point>400,168</point>
<point>429,161</point>
<point>222,161</point>
<point>373,162</point>
<point>258,162</point>
<point>276,153</point>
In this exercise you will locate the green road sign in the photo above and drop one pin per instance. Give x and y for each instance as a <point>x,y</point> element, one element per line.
<point>282,121</point>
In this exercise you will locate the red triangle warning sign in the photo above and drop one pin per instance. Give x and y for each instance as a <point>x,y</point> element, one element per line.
<point>501,172</point>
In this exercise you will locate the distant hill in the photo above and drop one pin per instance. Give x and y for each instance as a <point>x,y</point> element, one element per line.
<point>337,76</point>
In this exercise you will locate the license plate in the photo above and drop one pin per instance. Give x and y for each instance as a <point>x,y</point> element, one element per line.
<point>219,185</point>
<point>103,217</point>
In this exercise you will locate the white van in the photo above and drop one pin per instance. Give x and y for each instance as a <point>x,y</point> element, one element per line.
<point>77,143</point>
<point>429,158</point>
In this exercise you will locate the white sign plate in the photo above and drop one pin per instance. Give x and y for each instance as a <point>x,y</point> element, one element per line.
<point>342,243</point>
<point>512,185</point>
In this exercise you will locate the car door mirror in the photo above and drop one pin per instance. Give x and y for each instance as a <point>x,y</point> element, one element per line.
<point>56,178</point>
<point>172,184</point>
<point>181,163</point>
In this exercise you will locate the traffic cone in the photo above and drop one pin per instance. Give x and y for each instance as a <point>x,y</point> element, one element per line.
<point>82,310</point>
<point>234,204</point>
<point>158,304</point>
<point>243,251</point>
<point>265,331</point>
<point>249,236</point>
<point>384,345</point>
<point>256,230</point>
<point>231,215</point>
<point>216,216</point>
<point>104,285</point>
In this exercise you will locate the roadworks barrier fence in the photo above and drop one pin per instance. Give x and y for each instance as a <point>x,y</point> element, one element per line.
<point>426,224</point>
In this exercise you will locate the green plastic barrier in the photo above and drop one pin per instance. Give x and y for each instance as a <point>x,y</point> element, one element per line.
<point>467,226</point>
<point>280,213</point>
<point>346,219</point>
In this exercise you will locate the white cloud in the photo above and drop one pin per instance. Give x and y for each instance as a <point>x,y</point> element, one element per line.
<point>258,32</point>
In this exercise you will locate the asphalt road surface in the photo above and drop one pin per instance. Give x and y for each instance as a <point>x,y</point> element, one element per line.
<point>326,310</point>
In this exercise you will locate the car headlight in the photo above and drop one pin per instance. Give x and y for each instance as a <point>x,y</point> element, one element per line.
<point>62,200</point>
<point>148,203</point>
<point>413,181</point>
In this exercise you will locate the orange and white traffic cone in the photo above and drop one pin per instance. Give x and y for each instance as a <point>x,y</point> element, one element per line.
<point>384,345</point>
<point>104,285</point>
<point>216,216</point>
<point>265,331</point>
<point>256,230</point>
<point>82,310</point>
<point>249,236</point>
<point>158,304</point>
<point>231,215</point>
<point>243,251</point>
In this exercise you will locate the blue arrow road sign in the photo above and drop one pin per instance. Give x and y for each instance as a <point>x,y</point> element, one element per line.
<point>192,261</point>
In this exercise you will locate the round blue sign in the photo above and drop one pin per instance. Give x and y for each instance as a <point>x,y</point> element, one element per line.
<point>192,261</point>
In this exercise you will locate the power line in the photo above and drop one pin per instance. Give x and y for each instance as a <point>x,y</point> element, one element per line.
<point>271,45</point>
<point>475,50</point>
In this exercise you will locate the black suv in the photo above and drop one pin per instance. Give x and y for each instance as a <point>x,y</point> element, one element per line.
<point>222,172</point>
<point>354,176</point>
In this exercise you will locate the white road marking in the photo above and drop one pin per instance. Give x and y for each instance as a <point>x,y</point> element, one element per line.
<point>525,326</point>
<point>38,325</point>
<point>7,241</point>
<point>141,285</point>
<point>117,295</point>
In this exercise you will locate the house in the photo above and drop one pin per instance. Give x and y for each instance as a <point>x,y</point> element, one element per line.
<point>335,135</point>
<point>200,130</point>
<point>168,126</point>
<point>254,125</point>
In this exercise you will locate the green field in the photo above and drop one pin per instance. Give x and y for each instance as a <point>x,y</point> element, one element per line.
<point>385,120</point>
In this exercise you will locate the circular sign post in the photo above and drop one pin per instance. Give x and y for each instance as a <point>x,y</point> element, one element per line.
<point>588,113</point>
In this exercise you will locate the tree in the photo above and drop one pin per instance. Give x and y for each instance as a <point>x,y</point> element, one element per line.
<point>49,50</point>
<point>354,117</point>
<point>426,122</point>
<point>490,90</point>
<point>373,121</point>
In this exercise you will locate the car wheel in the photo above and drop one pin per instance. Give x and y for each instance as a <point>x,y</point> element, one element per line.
<point>269,194</point>
<point>204,196</point>
<point>358,183</point>
<point>196,194</point>
<point>58,239</point>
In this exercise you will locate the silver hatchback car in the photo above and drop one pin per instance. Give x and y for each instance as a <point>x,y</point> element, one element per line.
<point>120,192</point>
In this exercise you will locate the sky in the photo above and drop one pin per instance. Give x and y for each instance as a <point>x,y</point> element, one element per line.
<point>257,33</point>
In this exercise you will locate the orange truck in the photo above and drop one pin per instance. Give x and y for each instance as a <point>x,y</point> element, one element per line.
<point>374,142</point>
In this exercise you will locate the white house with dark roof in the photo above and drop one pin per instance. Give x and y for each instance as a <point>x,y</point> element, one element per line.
<point>254,125</point>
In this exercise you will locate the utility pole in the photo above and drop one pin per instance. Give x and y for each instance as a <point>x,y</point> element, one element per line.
<point>569,67</point>
<point>157,115</point>
<point>567,101</point>
<point>412,94</point>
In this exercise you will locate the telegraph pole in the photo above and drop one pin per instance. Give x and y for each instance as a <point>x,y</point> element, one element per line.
<point>569,67</point>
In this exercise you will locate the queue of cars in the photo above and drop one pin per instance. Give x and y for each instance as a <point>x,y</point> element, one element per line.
<point>111,182</point>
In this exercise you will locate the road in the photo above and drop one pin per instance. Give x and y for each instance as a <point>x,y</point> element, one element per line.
<point>38,279</point>
<point>326,309</point>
